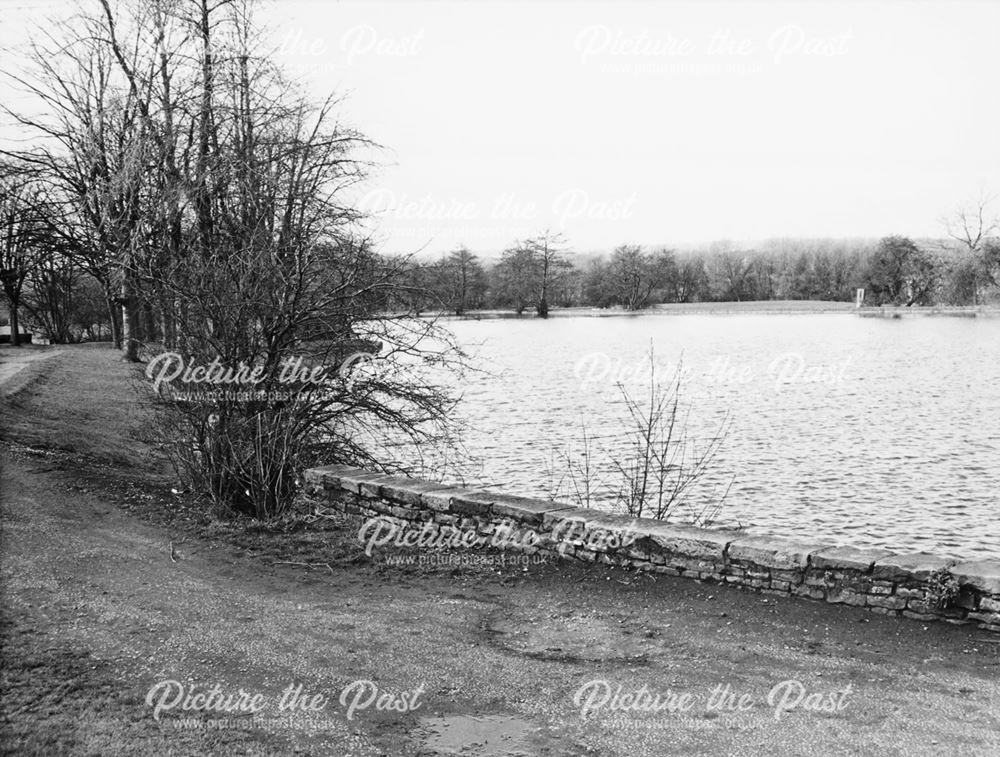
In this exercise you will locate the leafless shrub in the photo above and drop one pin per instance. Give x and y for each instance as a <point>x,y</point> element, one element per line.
<point>652,467</point>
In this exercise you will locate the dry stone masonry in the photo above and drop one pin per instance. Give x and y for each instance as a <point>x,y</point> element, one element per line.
<point>916,585</point>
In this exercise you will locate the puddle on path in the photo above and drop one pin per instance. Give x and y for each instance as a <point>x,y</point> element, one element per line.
<point>470,736</point>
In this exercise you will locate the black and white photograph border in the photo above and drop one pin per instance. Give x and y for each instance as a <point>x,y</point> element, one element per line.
<point>499,378</point>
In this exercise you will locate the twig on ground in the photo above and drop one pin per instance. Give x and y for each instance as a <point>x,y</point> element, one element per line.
<point>304,564</point>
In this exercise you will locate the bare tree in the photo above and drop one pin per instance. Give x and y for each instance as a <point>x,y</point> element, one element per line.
<point>976,227</point>
<point>20,228</point>
<point>463,280</point>
<point>91,149</point>
<point>514,277</point>
<point>652,467</point>
<point>548,253</point>
<point>205,191</point>
<point>635,274</point>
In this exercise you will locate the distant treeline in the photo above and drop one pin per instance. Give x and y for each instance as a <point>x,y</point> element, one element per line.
<point>541,273</point>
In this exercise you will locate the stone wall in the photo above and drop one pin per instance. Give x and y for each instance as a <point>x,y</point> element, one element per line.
<point>916,585</point>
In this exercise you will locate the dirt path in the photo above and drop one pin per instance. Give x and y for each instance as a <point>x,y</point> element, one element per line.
<point>100,606</point>
<point>15,359</point>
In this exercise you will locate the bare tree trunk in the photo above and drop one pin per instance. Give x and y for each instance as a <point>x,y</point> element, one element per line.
<point>130,322</point>
<point>543,303</point>
<point>168,322</point>
<point>148,322</point>
<point>203,199</point>
<point>114,318</point>
<point>15,337</point>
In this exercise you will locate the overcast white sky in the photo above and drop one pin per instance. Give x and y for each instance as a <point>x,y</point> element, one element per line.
<point>653,122</point>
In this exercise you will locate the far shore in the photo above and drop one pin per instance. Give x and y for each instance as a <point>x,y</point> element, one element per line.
<point>756,307</point>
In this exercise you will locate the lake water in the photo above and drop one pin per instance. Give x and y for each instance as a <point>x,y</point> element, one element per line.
<point>872,432</point>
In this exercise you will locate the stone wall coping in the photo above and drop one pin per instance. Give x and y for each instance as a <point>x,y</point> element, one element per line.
<point>683,540</point>
<point>568,513</point>
<point>328,475</point>
<point>473,501</point>
<point>597,519</point>
<point>352,481</point>
<point>917,566</point>
<point>774,552</point>
<point>861,559</point>
<point>981,574</point>
<point>408,492</point>
<point>526,509</point>
<point>686,540</point>
<point>439,498</point>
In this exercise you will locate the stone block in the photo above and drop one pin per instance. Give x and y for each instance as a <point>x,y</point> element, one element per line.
<point>985,617</point>
<point>569,514</point>
<point>989,604</point>
<point>791,576</point>
<point>525,509</point>
<point>841,596</point>
<point>772,552</point>
<point>352,481</point>
<point>476,502</point>
<point>328,476</point>
<point>804,590</point>
<point>408,491</point>
<point>440,499</point>
<point>376,506</point>
<point>891,603</point>
<point>819,581</point>
<point>669,571</point>
<point>694,565</point>
<point>592,529</point>
<point>848,558</point>
<point>372,488</point>
<point>983,575</point>
<point>913,566</point>
<point>685,541</point>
